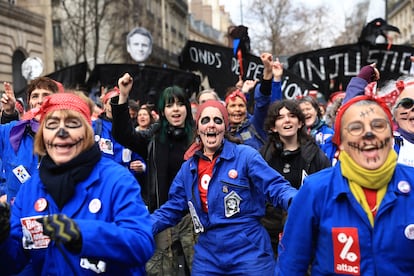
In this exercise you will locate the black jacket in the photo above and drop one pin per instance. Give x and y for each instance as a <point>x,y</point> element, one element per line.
<point>163,159</point>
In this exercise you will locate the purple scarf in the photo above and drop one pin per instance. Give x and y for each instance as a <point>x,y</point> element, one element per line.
<point>20,129</point>
<point>408,136</point>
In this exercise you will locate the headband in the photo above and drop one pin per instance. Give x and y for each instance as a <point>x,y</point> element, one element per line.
<point>113,93</point>
<point>64,101</point>
<point>232,96</point>
<point>216,104</point>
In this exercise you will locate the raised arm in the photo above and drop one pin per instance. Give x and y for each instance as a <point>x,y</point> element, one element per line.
<point>122,129</point>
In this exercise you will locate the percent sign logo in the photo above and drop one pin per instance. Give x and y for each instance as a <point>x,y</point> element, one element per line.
<point>345,252</point>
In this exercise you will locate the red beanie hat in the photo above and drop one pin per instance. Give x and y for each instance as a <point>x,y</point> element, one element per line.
<point>65,101</point>
<point>216,104</point>
<point>337,129</point>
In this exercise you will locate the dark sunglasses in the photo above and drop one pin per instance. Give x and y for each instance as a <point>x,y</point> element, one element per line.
<point>406,103</point>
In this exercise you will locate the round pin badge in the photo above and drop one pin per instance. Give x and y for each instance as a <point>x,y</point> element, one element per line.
<point>40,204</point>
<point>233,173</point>
<point>95,205</point>
<point>404,187</point>
<point>409,232</point>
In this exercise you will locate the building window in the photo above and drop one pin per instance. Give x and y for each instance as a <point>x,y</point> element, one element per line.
<point>56,3</point>
<point>58,65</point>
<point>57,34</point>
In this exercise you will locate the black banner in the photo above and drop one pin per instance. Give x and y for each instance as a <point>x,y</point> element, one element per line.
<point>217,66</point>
<point>149,81</point>
<point>72,77</point>
<point>331,69</point>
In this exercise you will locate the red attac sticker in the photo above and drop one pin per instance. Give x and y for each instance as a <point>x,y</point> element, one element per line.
<point>347,256</point>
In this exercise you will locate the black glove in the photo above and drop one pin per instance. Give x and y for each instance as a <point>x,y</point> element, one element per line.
<point>4,221</point>
<point>62,229</point>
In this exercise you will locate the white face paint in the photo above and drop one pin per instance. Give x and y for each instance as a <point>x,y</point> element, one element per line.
<point>211,128</point>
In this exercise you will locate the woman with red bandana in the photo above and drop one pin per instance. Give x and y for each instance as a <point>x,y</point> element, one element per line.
<point>224,186</point>
<point>249,127</point>
<point>79,213</point>
<point>358,218</point>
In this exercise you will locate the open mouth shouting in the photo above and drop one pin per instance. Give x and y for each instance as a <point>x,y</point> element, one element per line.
<point>210,137</point>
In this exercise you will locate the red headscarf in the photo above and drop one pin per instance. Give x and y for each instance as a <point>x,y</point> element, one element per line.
<point>65,101</point>
<point>216,104</point>
<point>113,93</point>
<point>236,93</point>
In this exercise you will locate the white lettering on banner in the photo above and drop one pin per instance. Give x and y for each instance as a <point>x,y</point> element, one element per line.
<point>205,57</point>
<point>317,68</point>
<point>291,90</point>
<point>253,72</point>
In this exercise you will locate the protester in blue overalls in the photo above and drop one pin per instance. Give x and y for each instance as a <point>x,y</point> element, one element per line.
<point>224,186</point>
<point>16,138</point>
<point>108,145</point>
<point>358,218</point>
<point>79,213</point>
<point>249,127</point>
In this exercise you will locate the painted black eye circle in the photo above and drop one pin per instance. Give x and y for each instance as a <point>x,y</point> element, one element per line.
<point>216,120</point>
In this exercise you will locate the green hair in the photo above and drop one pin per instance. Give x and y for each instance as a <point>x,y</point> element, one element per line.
<point>170,95</point>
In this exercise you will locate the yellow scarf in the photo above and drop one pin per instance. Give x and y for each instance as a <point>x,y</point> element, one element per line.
<point>372,179</point>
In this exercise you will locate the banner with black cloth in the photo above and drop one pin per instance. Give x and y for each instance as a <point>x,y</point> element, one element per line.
<point>149,81</point>
<point>218,66</point>
<point>72,77</point>
<point>331,69</point>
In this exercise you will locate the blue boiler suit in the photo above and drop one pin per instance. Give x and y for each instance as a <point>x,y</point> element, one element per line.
<point>334,232</point>
<point>229,242</point>
<point>22,160</point>
<point>116,231</point>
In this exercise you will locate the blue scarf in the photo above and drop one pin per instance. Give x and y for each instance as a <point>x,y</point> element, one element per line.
<point>316,126</point>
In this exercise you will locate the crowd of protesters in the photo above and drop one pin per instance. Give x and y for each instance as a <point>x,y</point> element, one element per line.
<point>201,186</point>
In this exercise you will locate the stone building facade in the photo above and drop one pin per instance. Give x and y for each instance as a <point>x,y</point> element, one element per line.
<point>24,32</point>
<point>401,15</point>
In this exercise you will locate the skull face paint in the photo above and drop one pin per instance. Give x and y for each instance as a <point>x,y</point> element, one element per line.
<point>63,137</point>
<point>62,133</point>
<point>366,135</point>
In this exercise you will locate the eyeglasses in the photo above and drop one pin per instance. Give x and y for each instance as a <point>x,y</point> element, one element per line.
<point>206,120</point>
<point>407,103</point>
<point>358,128</point>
